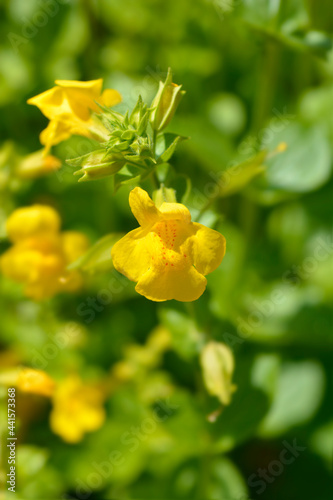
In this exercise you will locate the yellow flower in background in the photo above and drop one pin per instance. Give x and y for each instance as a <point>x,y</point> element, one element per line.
<point>37,220</point>
<point>35,381</point>
<point>74,244</point>
<point>28,380</point>
<point>37,164</point>
<point>77,409</point>
<point>41,253</point>
<point>168,255</point>
<point>69,106</point>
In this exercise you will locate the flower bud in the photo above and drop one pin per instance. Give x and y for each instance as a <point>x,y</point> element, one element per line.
<point>37,164</point>
<point>165,103</point>
<point>97,164</point>
<point>217,364</point>
<point>163,195</point>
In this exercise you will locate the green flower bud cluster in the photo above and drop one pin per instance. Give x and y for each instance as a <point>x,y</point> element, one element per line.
<point>132,138</point>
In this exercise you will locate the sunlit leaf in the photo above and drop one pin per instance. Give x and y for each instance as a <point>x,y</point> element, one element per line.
<point>98,257</point>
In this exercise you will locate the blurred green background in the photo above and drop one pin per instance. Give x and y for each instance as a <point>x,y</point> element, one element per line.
<point>257,73</point>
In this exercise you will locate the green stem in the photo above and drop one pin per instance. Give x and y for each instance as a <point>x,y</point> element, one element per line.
<point>154,180</point>
<point>204,471</point>
<point>266,86</point>
<point>154,143</point>
<point>191,311</point>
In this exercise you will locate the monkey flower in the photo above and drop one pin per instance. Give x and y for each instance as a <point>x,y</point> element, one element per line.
<point>168,255</point>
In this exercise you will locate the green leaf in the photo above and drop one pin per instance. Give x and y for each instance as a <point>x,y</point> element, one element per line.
<point>98,257</point>
<point>186,339</point>
<point>241,419</point>
<point>321,442</point>
<point>226,481</point>
<point>299,392</point>
<point>235,178</point>
<point>129,174</point>
<point>286,23</point>
<point>208,145</point>
<point>306,163</point>
<point>167,144</point>
<point>182,185</point>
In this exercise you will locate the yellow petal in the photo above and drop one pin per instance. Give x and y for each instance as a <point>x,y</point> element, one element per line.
<point>35,381</point>
<point>130,255</point>
<point>54,133</point>
<point>31,221</point>
<point>52,102</point>
<point>207,248</point>
<point>91,419</point>
<point>92,86</point>
<point>74,245</point>
<point>184,285</point>
<point>67,429</point>
<point>110,97</point>
<point>82,96</point>
<point>19,265</point>
<point>143,207</point>
<point>175,211</point>
<point>62,128</point>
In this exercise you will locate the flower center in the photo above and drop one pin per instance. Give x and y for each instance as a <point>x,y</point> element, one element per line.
<point>167,239</point>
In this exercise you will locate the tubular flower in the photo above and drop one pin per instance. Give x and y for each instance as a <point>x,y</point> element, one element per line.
<point>168,255</point>
<point>40,253</point>
<point>77,409</point>
<point>69,106</point>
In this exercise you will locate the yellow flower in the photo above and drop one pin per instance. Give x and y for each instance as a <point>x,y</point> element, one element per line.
<point>28,380</point>
<point>37,164</point>
<point>168,256</point>
<point>74,244</point>
<point>35,381</point>
<point>69,108</point>
<point>37,220</point>
<point>40,253</point>
<point>77,409</point>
